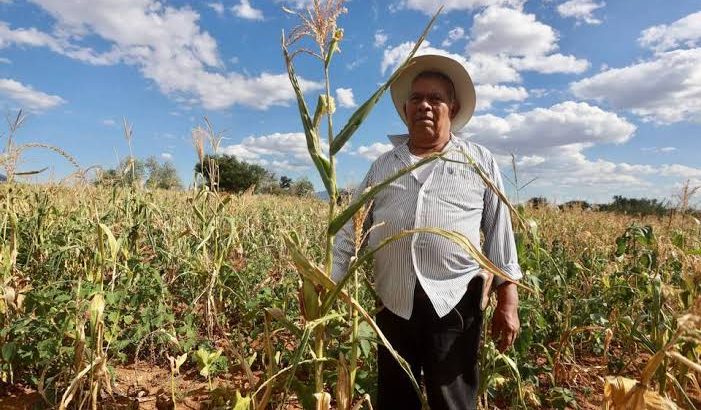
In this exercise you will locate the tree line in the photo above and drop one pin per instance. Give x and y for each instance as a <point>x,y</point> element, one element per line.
<point>232,175</point>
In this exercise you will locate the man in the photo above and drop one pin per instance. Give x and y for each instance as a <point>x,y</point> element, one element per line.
<point>431,289</point>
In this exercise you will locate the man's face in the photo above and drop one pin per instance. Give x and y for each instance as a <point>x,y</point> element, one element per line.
<point>429,110</point>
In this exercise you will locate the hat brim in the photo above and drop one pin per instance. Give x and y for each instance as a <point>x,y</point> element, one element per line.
<point>464,89</point>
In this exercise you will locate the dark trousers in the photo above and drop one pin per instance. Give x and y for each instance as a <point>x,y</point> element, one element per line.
<point>446,349</point>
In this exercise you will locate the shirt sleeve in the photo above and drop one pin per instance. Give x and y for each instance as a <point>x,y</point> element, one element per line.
<point>499,244</point>
<point>344,244</point>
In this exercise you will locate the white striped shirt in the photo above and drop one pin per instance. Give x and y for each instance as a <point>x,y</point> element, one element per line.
<point>454,198</point>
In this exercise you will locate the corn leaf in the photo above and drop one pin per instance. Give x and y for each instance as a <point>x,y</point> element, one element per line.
<point>362,112</point>
<point>341,219</point>
<point>313,143</point>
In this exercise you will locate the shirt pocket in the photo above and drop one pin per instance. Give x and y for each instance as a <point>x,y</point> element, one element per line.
<point>461,187</point>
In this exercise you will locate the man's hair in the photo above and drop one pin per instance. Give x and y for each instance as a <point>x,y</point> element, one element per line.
<point>440,76</point>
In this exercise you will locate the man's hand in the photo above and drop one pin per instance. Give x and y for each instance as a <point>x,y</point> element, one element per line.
<point>505,323</point>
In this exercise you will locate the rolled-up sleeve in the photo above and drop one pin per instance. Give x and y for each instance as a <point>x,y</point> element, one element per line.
<point>499,244</point>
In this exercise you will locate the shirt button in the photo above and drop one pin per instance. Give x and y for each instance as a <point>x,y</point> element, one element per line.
<point>450,171</point>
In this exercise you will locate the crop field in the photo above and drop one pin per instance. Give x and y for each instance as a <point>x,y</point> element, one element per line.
<point>127,298</point>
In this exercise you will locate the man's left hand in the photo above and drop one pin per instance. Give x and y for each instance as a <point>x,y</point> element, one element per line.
<point>505,322</point>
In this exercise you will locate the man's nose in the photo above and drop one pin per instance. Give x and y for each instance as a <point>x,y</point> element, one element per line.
<point>424,105</point>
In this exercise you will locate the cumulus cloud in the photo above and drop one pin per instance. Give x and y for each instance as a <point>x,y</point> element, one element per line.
<point>685,32</point>
<point>521,40</point>
<point>498,30</point>
<point>217,7</point>
<point>166,43</point>
<point>503,42</point>
<point>345,97</point>
<point>278,151</point>
<point>33,37</point>
<point>246,11</point>
<point>488,94</point>
<point>581,10</point>
<point>167,156</point>
<point>27,97</point>
<point>373,151</point>
<point>380,38</point>
<point>429,6</point>
<point>455,34</point>
<point>666,89</point>
<point>565,124</point>
<point>550,144</point>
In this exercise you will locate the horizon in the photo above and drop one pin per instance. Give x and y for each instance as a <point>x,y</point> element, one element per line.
<point>593,98</point>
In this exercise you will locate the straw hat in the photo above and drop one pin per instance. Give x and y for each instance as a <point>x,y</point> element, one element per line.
<point>464,89</point>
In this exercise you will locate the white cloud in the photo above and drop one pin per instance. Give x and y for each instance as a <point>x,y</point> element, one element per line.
<point>658,150</point>
<point>167,156</point>
<point>297,4</point>
<point>581,10</point>
<point>109,122</point>
<point>36,38</point>
<point>530,161</point>
<point>679,170</point>
<point>666,89</point>
<point>246,11</point>
<point>550,144</point>
<point>683,32</point>
<point>27,97</point>
<point>488,94</point>
<point>517,39</point>
<point>345,97</point>
<point>278,151</point>
<point>503,42</point>
<point>550,64</point>
<point>498,30</point>
<point>4,60</point>
<point>217,7</point>
<point>380,38</point>
<point>373,151</point>
<point>166,43</point>
<point>564,124</point>
<point>455,34</point>
<point>430,6</point>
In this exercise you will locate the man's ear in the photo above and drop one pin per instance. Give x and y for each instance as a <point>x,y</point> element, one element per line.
<point>454,109</point>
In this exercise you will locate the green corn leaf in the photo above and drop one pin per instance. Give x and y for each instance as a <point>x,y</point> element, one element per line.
<point>322,164</point>
<point>362,112</point>
<point>305,267</point>
<point>241,402</point>
<point>348,213</point>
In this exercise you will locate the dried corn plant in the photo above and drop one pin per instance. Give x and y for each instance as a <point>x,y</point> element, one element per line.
<point>622,393</point>
<point>12,152</point>
<point>318,294</point>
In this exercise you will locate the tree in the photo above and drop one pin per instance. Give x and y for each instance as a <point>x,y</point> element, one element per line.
<point>130,171</point>
<point>162,175</point>
<point>538,202</point>
<point>285,182</point>
<point>234,175</point>
<point>134,171</point>
<point>302,187</point>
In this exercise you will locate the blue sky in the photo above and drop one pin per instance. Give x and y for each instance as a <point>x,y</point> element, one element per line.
<point>594,98</point>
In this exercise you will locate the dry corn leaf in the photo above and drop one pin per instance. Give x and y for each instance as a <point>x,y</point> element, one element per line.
<point>323,401</point>
<point>622,393</point>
